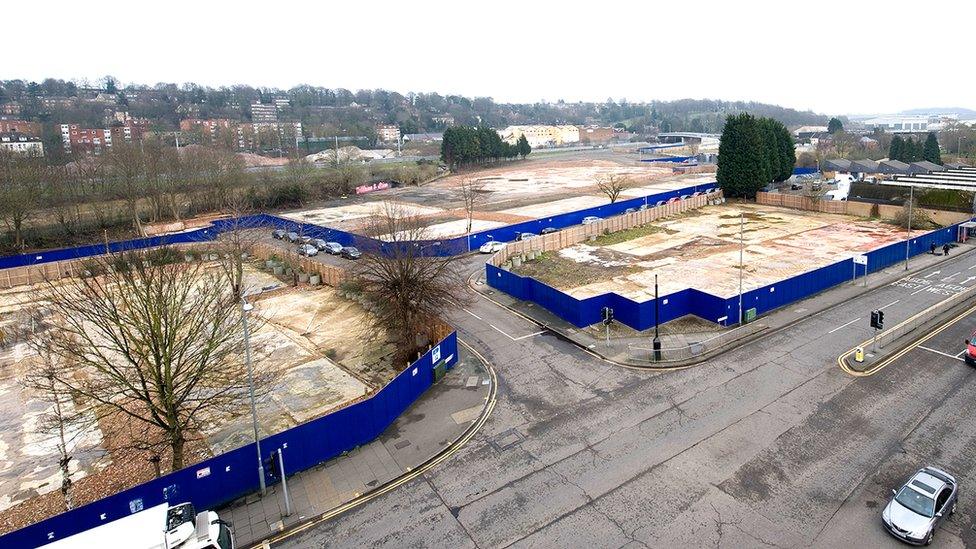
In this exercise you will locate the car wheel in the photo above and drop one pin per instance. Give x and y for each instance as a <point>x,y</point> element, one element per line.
<point>928,540</point>
<point>953,510</point>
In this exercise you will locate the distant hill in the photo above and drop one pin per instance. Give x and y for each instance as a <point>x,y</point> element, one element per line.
<point>963,113</point>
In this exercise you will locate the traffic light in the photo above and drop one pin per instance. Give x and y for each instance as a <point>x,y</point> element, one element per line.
<point>271,465</point>
<point>607,315</point>
<point>877,319</point>
<point>881,320</point>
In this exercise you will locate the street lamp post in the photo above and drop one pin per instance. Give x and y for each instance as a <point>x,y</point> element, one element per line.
<point>911,204</point>
<point>246,308</point>
<point>657,310</point>
<point>742,221</point>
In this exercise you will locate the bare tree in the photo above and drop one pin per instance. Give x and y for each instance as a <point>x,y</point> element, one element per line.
<point>125,162</point>
<point>62,420</point>
<point>160,344</point>
<point>472,193</point>
<point>612,185</point>
<point>409,286</point>
<point>236,243</point>
<point>21,186</point>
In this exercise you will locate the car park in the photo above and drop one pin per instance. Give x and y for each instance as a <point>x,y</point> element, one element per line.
<point>319,244</point>
<point>630,210</point>
<point>333,248</point>
<point>292,237</point>
<point>350,252</point>
<point>920,505</point>
<point>307,250</point>
<point>549,230</point>
<point>591,219</point>
<point>525,236</point>
<point>491,247</point>
<point>278,234</point>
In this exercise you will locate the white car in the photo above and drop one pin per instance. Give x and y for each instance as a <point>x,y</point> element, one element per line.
<point>491,247</point>
<point>307,250</point>
<point>591,219</point>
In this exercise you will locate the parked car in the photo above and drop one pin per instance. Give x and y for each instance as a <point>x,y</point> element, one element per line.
<point>630,210</point>
<point>333,248</point>
<point>307,250</point>
<point>970,354</point>
<point>919,506</point>
<point>319,244</point>
<point>525,236</point>
<point>350,252</point>
<point>591,219</point>
<point>292,237</point>
<point>549,230</point>
<point>642,208</point>
<point>305,239</point>
<point>491,247</point>
<point>278,234</point>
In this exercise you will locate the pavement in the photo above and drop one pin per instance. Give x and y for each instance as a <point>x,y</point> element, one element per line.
<point>449,409</point>
<point>768,444</point>
<point>629,347</point>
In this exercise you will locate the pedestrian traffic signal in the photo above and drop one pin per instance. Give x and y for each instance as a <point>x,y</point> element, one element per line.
<point>607,315</point>
<point>271,465</point>
<point>877,319</point>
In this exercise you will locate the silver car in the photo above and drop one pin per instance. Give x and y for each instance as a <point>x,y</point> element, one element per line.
<point>919,506</point>
<point>307,250</point>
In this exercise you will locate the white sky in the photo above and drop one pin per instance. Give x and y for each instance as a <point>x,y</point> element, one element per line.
<point>831,56</point>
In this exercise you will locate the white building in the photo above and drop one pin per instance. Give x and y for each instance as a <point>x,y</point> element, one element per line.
<point>388,134</point>
<point>902,124</point>
<point>541,136</point>
<point>22,145</point>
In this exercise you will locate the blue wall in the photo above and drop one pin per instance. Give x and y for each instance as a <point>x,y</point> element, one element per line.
<point>234,474</point>
<point>640,315</point>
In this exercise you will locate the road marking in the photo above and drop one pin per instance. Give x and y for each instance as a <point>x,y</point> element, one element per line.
<point>501,332</point>
<point>971,268</point>
<point>527,336</point>
<point>919,291</point>
<point>470,313</point>
<point>967,280</point>
<point>845,325</point>
<point>948,278</point>
<point>938,352</point>
<point>932,274</point>
<point>889,305</point>
<point>960,353</point>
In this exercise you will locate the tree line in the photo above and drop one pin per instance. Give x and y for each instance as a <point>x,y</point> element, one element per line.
<point>466,145</point>
<point>753,153</point>
<point>909,150</point>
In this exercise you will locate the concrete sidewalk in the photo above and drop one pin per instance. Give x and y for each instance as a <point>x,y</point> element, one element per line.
<point>633,348</point>
<point>439,416</point>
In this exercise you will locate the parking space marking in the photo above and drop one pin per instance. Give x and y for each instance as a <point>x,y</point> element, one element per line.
<point>960,353</point>
<point>843,326</point>
<point>929,349</point>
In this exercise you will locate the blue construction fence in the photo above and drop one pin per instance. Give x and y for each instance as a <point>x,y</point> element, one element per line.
<point>805,171</point>
<point>441,247</point>
<point>230,475</point>
<point>725,311</point>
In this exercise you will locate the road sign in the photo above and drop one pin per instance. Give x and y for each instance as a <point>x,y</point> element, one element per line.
<point>435,355</point>
<point>860,259</point>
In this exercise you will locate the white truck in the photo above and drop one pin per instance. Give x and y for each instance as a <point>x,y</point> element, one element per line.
<point>159,527</point>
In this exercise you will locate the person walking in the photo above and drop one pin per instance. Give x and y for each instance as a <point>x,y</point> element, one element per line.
<point>932,248</point>
<point>945,249</point>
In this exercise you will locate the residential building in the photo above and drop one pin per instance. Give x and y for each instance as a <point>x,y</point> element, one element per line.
<point>541,136</point>
<point>282,103</point>
<point>388,133</point>
<point>595,134</point>
<point>77,139</point>
<point>209,126</point>
<point>55,102</point>
<point>264,114</point>
<point>12,125</point>
<point>21,144</point>
<point>11,108</point>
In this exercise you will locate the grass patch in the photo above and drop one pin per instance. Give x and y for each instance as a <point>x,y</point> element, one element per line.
<point>559,272</point>
<point>629,234</point>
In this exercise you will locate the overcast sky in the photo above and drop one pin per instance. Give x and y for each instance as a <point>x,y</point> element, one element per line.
<point>833,57</point>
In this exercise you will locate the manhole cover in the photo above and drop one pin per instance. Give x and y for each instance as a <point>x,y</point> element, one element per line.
<point>402,444</point>
<point>507,439</point>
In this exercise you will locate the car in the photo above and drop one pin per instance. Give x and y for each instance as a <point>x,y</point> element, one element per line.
<point>642,208</point>
<point>278,234</point>
<point>970,354</point>
<point>491,247</point>
<point>549,230</point>
<point>920,505</point>
<point>591,219</point>
<point>307,250</point>
<point>349,252</point>
<point>291,237</point>
<point>630,210</point>
<point>305,239</point>
<point>318,243</point>
<point>525,236</point>
<point>333,248</point>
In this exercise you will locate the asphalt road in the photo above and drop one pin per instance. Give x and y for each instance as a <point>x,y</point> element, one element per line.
<point>769,445</point>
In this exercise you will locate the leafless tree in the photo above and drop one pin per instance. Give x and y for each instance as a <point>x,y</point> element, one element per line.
<point>157,343</point>
<point>472,193</point>
<point>126,165</point>
<point>612,185</point>
<point>21,186</point>
<point>235,244</point>
<point>409,287</point>
<point>62,420</point>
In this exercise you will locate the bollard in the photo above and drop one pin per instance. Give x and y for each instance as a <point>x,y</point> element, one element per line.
<point>859,354</point>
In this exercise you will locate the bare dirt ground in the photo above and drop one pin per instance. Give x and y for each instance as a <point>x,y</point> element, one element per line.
<point>315,338</point>
<point>701,250</point>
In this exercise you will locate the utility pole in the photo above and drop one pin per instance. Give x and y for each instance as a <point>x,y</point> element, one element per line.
<point>337,150</point>
<point>911,203</point>
<point>246,308</point>
<point>657,315</point>
<point>742,221</point>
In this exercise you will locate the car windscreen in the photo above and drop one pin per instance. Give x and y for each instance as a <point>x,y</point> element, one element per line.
<point>916,501</point>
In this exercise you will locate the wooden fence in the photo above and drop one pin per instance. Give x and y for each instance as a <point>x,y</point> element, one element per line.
<point>800,202</point>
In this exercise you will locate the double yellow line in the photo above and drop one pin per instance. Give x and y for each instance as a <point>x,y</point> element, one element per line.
<point>877,367</point>
<point>435,460</point>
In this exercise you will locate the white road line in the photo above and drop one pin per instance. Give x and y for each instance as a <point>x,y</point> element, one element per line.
<point>501,332</point>
<point>527,336</point>
<point>939,353</point>
<point>845,325</point>
<point>950,276</point>
<point>932,274</point>
<point>971,268</point>
<point>920,291</point>
<point>960,353</point>
<point>889,305</point>
<point>470,313</point>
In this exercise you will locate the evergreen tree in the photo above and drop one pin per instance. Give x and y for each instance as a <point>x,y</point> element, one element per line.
<point>523,146</point>
<point>787,152</point>
<point>910,151</point>
<point>895,150</point>
<point>770,149</point>
<point>835,125</point>
<point>741,162</point>
<point>931,151</point>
